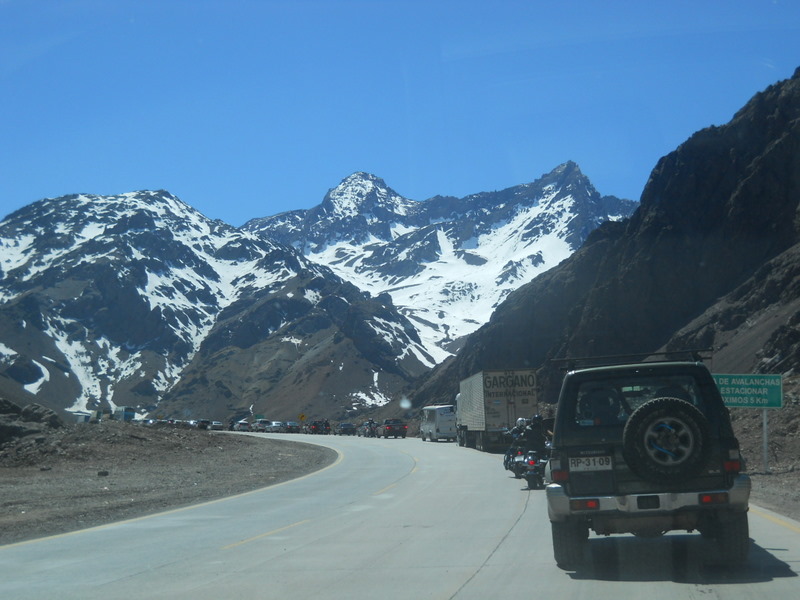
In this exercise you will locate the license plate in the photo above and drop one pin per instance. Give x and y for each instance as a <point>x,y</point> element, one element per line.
<point>590,463</point>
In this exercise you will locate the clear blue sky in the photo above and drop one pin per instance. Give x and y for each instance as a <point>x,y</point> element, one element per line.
<point>247,108</point>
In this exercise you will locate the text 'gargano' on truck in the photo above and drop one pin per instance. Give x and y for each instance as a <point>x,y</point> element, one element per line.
<point>489,403</point>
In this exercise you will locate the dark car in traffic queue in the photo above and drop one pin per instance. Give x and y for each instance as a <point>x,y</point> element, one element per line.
<point>319,428</point>
<point>392,428</point>
<point>345,429</point>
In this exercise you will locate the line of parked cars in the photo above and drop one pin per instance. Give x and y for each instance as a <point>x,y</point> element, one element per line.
<point>389,428</point>
<point>198,423</point>
<point>265,426</point>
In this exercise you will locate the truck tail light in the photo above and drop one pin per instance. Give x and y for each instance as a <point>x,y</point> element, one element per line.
<point>713,498</point>
<point>584,504</point>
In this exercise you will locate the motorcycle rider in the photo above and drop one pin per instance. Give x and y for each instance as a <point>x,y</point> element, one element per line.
<point>517,434</point>
<point>536,436</point>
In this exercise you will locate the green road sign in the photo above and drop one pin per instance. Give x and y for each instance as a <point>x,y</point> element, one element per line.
<point>751,391</point>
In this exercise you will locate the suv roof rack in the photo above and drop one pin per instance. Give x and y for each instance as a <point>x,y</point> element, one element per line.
<point>572,363</point>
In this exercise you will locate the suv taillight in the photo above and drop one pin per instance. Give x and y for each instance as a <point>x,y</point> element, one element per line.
<point>734,462</point>
<point>732,466</point>
<point>584,504</point>
<point>557,474</point>
<point>714,498</point>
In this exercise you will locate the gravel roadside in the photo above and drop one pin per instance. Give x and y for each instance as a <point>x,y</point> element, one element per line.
<point>86,475</point>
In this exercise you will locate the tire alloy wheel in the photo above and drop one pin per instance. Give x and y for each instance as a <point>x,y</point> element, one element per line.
<point>666,439</point>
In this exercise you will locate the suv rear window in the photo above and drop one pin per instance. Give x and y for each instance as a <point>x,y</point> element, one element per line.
<point>609,402</point>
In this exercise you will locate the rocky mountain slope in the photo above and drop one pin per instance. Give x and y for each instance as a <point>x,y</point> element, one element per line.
<point>708,260</point>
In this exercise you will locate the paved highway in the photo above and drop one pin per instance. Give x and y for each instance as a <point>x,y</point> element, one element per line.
<point>390,519</point>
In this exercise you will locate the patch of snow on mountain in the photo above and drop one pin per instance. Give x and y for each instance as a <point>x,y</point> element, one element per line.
<point>346,199</point>
<point>80,363</point>
<point>430,356</point>
<point>313,296</point>
<point>292,340</point>
<point>34,387</point>
<point>398,229</point>
<point>15,251</point>
<point>371,397</point>
<point>90,231</point>
<point>6,352</point>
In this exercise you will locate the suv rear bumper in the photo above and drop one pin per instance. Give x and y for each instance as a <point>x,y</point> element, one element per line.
<point>644,506</point>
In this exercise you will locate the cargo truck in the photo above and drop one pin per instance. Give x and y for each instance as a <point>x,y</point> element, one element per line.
<point>438,423</point>
<point>488,404</point>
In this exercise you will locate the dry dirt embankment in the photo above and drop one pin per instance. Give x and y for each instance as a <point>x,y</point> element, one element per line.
<point>76,476</point>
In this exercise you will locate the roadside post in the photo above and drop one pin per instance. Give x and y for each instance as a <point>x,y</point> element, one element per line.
<point>753,391</point>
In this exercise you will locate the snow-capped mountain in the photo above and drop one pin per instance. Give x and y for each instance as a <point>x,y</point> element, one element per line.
<point>139,300</point>
<point>447,263</point>
<point>130,299</point>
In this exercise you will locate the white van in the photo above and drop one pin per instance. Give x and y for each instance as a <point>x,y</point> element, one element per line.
<point>438,423</point>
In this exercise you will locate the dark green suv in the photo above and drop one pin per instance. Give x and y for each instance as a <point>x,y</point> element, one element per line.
<point>645,448</point>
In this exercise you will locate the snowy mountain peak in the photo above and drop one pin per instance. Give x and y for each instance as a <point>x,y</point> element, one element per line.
<point>130,229</point>
<point>362,194</point>
<point>447,262</point>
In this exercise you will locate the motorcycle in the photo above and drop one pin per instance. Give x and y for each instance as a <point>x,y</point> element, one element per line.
<point>518,465</point>
<point>535,464</point>
<point>509,457</point>
<point>516,448</point>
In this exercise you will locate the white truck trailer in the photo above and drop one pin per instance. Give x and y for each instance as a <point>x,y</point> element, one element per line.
<point>489,403</point>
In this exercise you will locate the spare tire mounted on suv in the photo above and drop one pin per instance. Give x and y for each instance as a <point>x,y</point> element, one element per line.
<point>674,465</point>
<point>666,439</point>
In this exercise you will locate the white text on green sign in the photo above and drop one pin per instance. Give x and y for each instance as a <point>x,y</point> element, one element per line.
<point>751,391</point>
